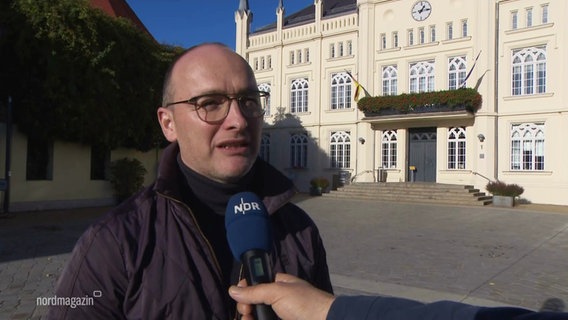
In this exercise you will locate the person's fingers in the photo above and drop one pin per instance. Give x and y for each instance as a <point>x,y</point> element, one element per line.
<point>242,283</point>
<point>244,308</point>
<point>284,277</point>
<point>247,295</point>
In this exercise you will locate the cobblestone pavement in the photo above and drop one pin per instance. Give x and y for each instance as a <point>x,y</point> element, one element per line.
<point>485,256</point>
<point>33,250</point>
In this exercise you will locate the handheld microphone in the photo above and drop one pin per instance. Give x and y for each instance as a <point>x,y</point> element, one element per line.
<point>250,239</point>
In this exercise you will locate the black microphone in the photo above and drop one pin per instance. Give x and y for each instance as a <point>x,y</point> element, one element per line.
<point>250,239</point>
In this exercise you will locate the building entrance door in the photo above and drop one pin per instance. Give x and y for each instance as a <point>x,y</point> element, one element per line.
<point>422,154</point>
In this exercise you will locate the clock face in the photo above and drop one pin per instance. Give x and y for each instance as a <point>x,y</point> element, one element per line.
<point>421,10</point>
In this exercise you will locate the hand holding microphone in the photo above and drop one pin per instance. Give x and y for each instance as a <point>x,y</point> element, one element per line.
<point>250,239</point>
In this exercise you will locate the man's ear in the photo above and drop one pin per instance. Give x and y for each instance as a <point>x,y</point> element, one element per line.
<point>166,120</point>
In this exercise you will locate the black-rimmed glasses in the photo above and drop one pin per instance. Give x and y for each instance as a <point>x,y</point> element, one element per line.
<point>213,108</point>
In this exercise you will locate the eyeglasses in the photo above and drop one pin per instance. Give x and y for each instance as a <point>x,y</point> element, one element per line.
<point>213,108</point>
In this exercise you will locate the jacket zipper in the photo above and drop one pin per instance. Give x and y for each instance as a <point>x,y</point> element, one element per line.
<point>217,265</point>
<point>241,271</point>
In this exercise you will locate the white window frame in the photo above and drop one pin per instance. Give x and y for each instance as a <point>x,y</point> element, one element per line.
<point>389,145</point>
<point>299,150</point>
<point>544,15</point>
<point>457,71</point>
<point>457,143</point>
<point>383,41</point>
<point>421,35</point>
<point>528,75</point>
<point>465,29</point>
<point>264,151</point>
<point>340,91</point>
<point>395,39</point>
<point>340,149</point>
<point>299,95</point>
<point>527,147</point>
<point>529,15</point>
<point>266,88</point>
<point>421,77</point>
<point>390,80</point>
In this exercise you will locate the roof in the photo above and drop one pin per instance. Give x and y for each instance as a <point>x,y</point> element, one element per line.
<point>330,8</point>
<point>119,8</point>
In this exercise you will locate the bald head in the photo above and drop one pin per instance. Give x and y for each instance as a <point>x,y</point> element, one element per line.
<point>224,150</point>
<point>207,56</point>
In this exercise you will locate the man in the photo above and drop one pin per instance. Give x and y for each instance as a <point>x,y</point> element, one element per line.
<point>292,298</point>
<point>163,253</point>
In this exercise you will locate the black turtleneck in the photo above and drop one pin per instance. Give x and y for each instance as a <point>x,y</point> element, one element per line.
<point>210,198</point>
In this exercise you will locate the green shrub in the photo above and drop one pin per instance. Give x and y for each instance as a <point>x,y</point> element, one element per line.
<point>126,177</point>
<point>500,188</point>
<point>319,182</point>
<point>466,98</point>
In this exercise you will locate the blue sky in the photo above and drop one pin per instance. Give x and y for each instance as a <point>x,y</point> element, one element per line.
<point>189,22</point>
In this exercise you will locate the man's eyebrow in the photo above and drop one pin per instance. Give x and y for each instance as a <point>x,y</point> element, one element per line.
<point>240,92</point>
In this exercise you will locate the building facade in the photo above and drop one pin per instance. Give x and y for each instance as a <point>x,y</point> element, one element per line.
<point>512,52</point>
<point>40,176</point>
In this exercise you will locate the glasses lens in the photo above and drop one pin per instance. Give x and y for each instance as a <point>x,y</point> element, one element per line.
<point>212,107</point>
<point>251,105</point>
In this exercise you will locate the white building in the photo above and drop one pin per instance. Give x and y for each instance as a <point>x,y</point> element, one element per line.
<point>313,127</point>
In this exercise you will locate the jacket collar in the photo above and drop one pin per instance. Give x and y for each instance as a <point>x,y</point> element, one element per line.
<point>274,188</point>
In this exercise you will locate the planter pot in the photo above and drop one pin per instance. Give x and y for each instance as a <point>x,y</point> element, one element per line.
<point>503,201</point>
<point>316,191</point>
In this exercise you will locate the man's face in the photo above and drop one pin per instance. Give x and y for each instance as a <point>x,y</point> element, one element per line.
<point>223,152</point>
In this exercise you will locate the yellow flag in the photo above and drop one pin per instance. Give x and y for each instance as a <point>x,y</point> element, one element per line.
<point>358,86</point>
<point>357,91</point>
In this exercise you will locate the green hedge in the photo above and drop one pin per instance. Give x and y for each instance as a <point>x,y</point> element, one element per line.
<point>461,99</point>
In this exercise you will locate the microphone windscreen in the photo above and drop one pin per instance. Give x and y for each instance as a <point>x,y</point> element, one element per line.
<point>247,224</point>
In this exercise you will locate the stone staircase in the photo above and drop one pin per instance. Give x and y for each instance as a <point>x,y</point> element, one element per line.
<point>413,192</point>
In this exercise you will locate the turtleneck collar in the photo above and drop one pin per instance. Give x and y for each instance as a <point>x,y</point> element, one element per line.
<point>213,194</point>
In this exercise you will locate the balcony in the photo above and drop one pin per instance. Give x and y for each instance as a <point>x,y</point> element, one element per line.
<point>466,99</point>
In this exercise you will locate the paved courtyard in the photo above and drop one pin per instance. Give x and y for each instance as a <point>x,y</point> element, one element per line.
<point>485,256</point>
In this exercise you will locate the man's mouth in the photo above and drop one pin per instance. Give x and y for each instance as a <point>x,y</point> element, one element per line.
<point>233,145</point>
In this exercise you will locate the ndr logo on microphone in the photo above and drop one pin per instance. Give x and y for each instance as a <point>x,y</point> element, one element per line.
<point>244,207</point>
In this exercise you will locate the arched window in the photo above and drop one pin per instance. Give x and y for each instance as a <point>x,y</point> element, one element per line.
<point>527,146</point>
<point>422,77</point>
<point>264,152</point>
<point>299,96</point>
<point>299,150</point>
<point>340,149</point>
<point>529,71</point>
<point>266,102</point>
<point>340,91</point>
<point>456,72</point>
<point>389,145</point>
<point>456,148</point>
<point>390,81</point>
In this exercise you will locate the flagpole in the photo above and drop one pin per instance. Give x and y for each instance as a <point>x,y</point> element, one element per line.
<point>462,85</point>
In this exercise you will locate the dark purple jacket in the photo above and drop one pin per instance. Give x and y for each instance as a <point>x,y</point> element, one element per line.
<point>148,258</point>
<point>391,308</point>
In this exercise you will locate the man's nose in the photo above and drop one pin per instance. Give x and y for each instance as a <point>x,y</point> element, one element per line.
<point>235,117</point>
